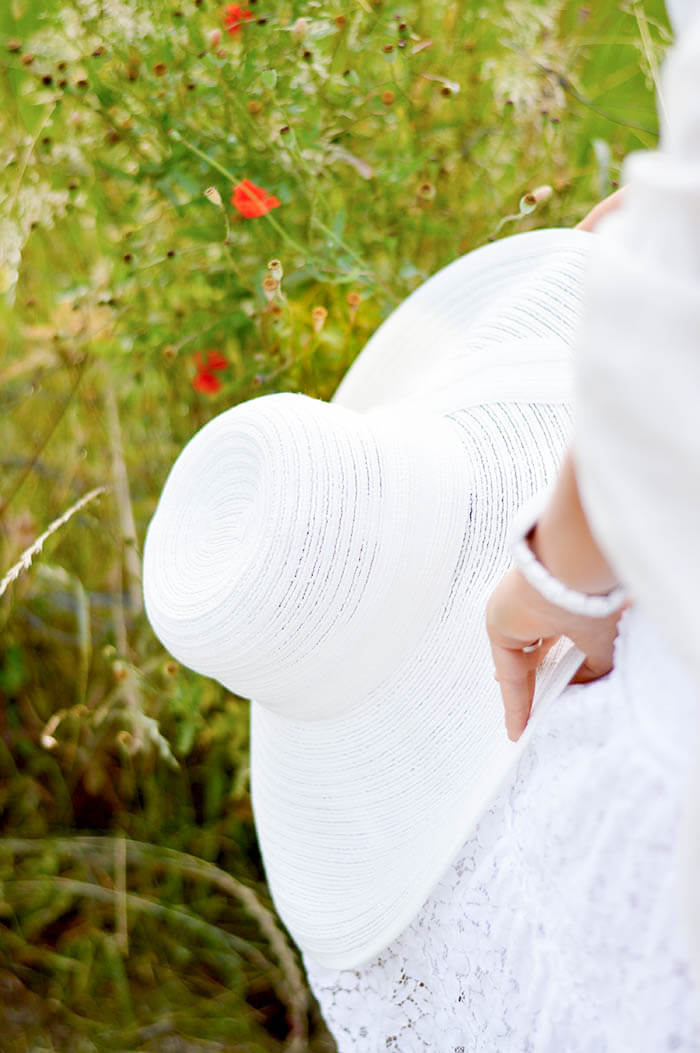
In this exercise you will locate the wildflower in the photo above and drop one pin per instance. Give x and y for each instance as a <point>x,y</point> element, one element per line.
<point>205,379</point>
<point>235,16</point>
<point>207,383</point>
<point>251,200</point>
<point>215,361</point>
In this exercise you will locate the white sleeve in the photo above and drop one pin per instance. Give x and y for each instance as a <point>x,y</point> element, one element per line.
<point>637,443</point>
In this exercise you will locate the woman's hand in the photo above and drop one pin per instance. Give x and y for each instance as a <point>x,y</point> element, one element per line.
<point>518,616</point>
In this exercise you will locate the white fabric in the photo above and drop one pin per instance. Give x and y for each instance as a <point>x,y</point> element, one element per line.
<point>637,444</point>
<point>556,930</point>
<point>559,926</point>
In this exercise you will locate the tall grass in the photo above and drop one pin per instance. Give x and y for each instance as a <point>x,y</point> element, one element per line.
<point>133,909</point>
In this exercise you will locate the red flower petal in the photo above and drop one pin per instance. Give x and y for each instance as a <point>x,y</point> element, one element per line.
<point>207,383</point>
<point>215,360</point>
<point>234,16</point>
<point>251,200</point>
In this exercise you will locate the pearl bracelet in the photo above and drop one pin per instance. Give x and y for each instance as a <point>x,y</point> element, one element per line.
<point>561,595</point>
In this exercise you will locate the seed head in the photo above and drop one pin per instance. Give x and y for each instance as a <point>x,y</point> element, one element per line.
<point>539,194</point>
<point>318,317</point>
<point>275,269</point>
<point>270,286</point>
<point>213,195</point>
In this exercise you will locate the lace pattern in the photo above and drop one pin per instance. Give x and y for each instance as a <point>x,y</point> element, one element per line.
<point>557,927</point>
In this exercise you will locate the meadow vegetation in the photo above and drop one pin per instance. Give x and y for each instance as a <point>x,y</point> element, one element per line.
<point>371,143</point>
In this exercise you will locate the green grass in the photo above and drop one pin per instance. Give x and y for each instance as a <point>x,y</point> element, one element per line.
<point>133,908</point>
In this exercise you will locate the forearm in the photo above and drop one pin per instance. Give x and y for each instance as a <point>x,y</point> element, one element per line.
<point>563,543</point>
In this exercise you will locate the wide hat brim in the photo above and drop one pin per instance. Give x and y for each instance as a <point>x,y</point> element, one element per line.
<point>359,816</point>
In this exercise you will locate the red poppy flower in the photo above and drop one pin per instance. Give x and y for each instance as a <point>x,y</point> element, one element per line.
<point>206,382</point>
<point>215,361</point>
<point>252,200</point>
<point>235,16</point>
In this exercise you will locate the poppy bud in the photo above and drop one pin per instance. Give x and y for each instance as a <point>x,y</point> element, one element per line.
<point>213,195</point>
<point>215,38</point>
<point>120,670</point>
<point>536,196</point>
<point>388,97</point>
<point>27,58</point>
<point>300,28</point>
<point>254,106</point>
<point>353,301</point>
<point>341,21</point>
<point>275,269</point>
<point>318,317</point>
<point>270,286</point>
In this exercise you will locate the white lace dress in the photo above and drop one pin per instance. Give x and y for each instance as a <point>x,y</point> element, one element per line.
<point>557,929</point>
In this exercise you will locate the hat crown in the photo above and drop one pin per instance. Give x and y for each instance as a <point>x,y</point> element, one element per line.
<point>289,542</point>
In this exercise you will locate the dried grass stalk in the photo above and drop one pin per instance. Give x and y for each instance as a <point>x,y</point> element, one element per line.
<point>25,560</point>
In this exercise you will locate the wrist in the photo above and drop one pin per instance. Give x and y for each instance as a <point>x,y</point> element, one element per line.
<point>569,552</point>
<point>562,541</point>
<point>581,593</point>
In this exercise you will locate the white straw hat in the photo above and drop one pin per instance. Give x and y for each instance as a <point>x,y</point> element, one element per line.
<point>333,562</point>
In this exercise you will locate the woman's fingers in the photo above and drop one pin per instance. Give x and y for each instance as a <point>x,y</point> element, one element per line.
<point>516,672</point>
<point>516,617</point>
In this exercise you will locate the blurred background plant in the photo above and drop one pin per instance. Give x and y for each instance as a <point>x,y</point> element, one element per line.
<point>200,204</point>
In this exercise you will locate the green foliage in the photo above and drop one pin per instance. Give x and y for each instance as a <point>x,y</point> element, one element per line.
<point>395,138</point>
